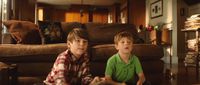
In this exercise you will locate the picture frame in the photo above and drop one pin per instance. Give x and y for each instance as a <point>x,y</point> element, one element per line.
<point>156,9</point>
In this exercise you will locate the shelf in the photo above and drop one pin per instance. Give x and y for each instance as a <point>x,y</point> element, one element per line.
<point>192,53</point>
<point>192,57</point>
<point>190,29</point>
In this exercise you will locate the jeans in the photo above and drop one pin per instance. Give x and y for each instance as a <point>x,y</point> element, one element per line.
<point>145,83</point>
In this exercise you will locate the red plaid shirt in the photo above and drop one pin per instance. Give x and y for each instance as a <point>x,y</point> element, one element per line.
<point>68,70</point>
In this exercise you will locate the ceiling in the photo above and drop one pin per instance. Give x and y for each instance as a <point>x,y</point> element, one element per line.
<point>192,2</point>
<point>86,2</point>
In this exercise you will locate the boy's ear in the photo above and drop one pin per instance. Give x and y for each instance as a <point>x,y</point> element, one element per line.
<point>116,46</point>
<point>68,44</point>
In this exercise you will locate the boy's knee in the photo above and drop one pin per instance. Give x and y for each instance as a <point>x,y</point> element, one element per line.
<point>145,83</point>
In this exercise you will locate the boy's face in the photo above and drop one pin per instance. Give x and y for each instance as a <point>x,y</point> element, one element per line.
<point>78,46</point>
<point>124,45</point>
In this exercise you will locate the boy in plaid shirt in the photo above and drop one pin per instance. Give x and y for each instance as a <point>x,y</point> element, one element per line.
<point>72,66</point>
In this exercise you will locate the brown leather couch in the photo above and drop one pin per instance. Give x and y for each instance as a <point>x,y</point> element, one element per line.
<point>34,62</point>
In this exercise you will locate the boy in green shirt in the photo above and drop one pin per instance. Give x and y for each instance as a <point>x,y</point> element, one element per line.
<point>123,66</point>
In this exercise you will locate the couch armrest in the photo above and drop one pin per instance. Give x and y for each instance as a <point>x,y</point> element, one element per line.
<point>30,53</point>
<point>13,73</point>
<point>4,74</point>
<point>7,39</point>
<point>8,74</point>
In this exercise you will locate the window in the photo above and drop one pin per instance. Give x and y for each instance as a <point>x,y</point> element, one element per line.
<point>40,14</point>
<point>4,13</point>
<point>110,18</point>
<point>3,16</point>
<point>76,17</point>
<point>4,10</point>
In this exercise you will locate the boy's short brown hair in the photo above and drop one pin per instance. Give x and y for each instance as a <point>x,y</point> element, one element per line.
<point>123,34</point>
<point>77,32</point>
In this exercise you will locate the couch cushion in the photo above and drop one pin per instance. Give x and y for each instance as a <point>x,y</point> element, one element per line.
<point>34,68</point>
<point>30,80</point>
<point>104,33</point>
<point>30,53</point>
<point>101,53</point>
<point>142,51</point>
<point>148,51</point>
<point>23,32</point>
<point>97,69</point>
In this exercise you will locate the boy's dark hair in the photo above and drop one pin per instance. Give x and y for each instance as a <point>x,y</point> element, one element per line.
<point>77,32</point>
<point>123,34</point>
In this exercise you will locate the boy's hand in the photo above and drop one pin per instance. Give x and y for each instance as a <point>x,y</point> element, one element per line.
<point>141,78</point>
<point>96,79</point>
<point>139,82</point>
<point>122,83</point>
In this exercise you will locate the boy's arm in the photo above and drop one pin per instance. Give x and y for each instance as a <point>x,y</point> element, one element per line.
<point>58,72</point>
<point>86,76</point>
<point>141,78</point>
<point>61,70</point>
<point>139,72</point>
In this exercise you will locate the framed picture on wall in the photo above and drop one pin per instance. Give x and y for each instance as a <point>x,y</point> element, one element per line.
<point>156,9</point>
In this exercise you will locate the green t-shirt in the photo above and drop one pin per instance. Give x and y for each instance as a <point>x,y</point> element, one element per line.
<point>122,72</point>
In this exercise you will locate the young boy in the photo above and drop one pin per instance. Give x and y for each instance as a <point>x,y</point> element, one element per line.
<point>123,66</point>
<point>71,66</point>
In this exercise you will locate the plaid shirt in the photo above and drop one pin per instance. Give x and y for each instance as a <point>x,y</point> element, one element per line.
<point>68,70</point>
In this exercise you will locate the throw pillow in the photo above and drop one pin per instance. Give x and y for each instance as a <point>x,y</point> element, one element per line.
<point>51,32</point>
<point>23,32</point>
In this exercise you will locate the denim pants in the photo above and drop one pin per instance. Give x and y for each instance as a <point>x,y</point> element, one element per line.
<point>145,83</point>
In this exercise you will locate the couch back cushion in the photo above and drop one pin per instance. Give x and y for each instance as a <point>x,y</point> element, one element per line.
<point>99,57</point>
<point>101,53</point>
<point>148,51</point>
<point>68,26</point>
<point>32,60</point>
<point>56,32</point>
<point>24,32</point>
<point>100,33</point>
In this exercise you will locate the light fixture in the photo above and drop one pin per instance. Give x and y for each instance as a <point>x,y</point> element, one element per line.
<point>81,10</point>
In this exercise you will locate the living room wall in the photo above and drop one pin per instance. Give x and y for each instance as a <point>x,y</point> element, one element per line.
<point>136,12</point>
<point>194,9</point>
<point>169,17</point>
<point>0,32</point>
<point>175,12</point>
<point>23,10</point>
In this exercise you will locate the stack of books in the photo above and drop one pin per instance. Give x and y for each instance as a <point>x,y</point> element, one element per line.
<point>193,22</point>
